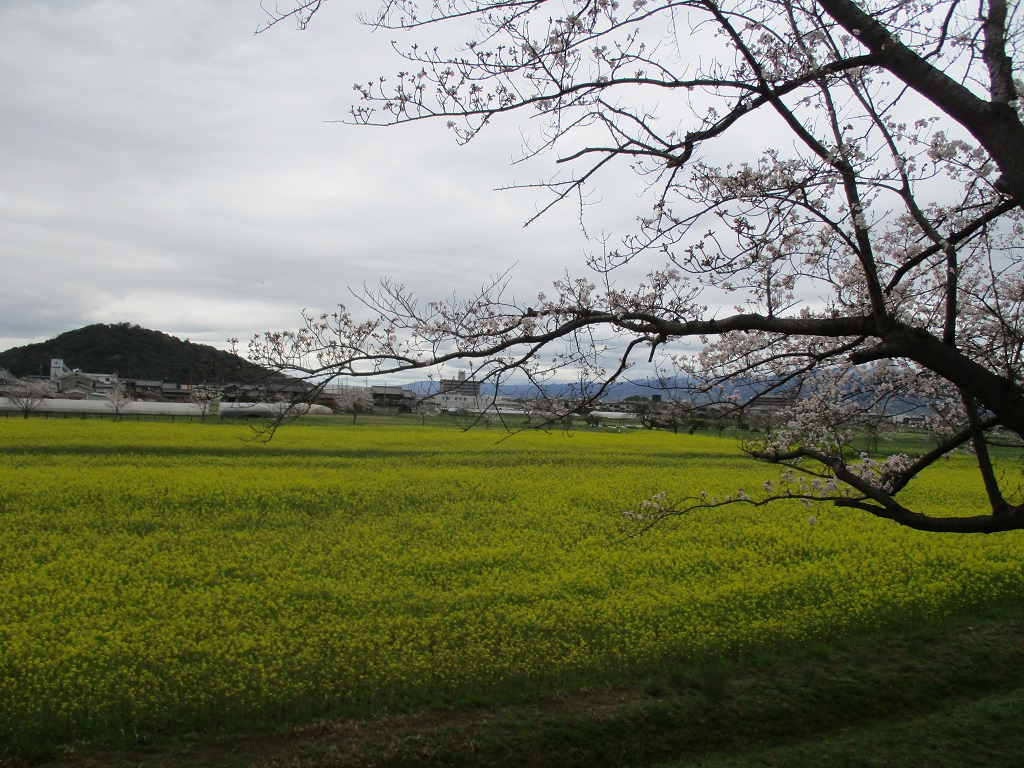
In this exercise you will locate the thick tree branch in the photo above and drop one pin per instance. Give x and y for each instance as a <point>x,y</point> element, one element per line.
<point>994,124</point>
<point>873,233</point>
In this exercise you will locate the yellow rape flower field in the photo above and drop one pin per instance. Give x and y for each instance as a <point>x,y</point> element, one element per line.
<point>161,577</point>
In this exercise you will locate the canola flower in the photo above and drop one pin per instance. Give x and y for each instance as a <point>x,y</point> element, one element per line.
<point>169,577</point>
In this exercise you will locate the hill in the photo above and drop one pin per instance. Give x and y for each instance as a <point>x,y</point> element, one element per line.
<point>130,351</point>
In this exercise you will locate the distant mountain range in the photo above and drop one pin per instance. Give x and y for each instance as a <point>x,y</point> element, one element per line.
<point>618,391</point>
<point>130,351</point>
<point>133,352</point>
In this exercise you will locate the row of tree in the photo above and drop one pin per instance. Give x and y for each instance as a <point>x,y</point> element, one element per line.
<point>28,397</point>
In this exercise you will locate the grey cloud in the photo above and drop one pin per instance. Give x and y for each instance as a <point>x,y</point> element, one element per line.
<point>163,166</point>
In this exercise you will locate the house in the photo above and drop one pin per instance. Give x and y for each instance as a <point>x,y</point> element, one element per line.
<point>161,391</point>
<point>8,379</point>
<point>394,398</point>
<point>78,385</point>
<point>767,409</point>
<point>263,385</point>
<point>460,394</point>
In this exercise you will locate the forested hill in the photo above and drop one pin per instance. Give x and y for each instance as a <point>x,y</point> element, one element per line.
<point>129,351</point>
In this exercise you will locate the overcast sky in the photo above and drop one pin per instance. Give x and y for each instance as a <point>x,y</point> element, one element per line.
<point>161,165</point>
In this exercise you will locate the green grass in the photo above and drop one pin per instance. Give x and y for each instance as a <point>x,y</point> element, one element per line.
<point>945,694</point>
<point>913,442</point>
<point>437,597</point>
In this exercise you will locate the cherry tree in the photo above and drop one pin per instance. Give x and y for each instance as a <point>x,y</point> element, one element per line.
<point>119,396</point>
<point>205,395</point>
<point>426,407</point>
<point>353,400</point>
<point>28,397</point>
<point>866,226</point>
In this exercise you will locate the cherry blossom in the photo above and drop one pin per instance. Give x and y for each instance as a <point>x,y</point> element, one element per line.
<point>867,225</point>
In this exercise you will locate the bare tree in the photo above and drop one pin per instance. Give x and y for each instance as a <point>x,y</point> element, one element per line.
<point>426,407</point>
<point>119,396</point>
<point>205,395</point>
<point>868,224</point>
<point>643,409</point>
<point>27,397</point>
<point>353,400</point>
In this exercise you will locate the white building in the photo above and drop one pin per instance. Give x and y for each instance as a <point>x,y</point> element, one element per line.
<point>460,394</point>
<point>77,385</point>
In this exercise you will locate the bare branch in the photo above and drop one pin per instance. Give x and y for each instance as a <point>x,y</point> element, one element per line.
<point>873,252</point>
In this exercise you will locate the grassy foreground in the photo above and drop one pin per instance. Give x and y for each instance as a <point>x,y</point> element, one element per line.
<point>946,695</point>
<point>175,584</point>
